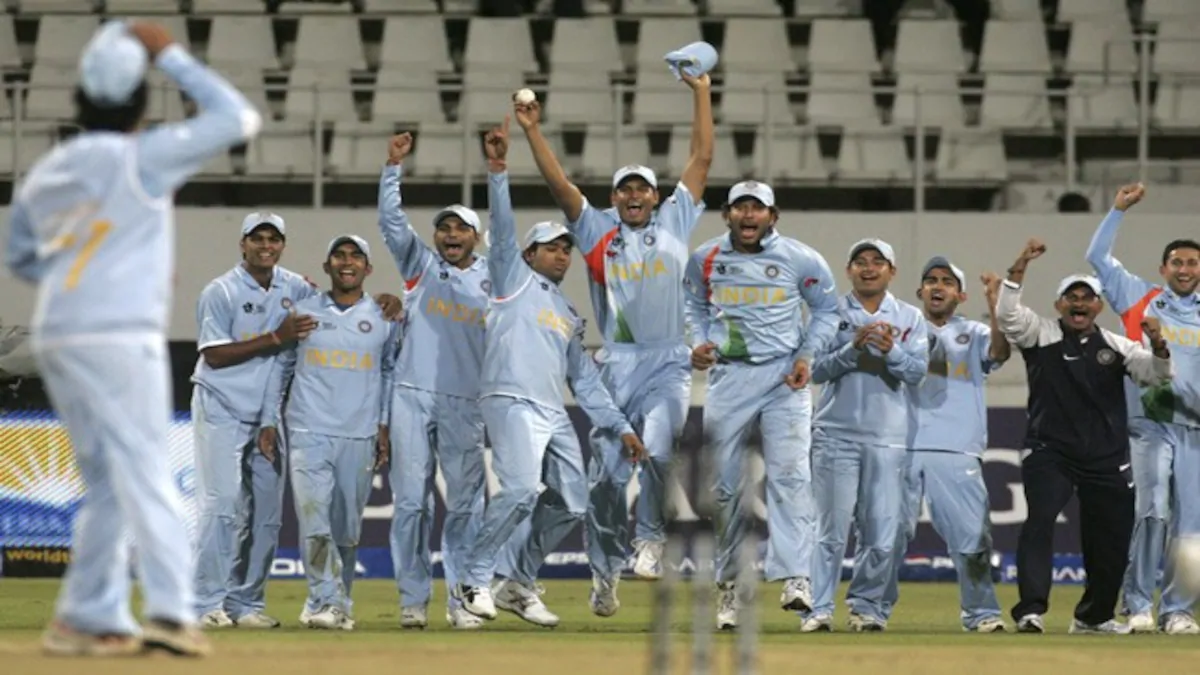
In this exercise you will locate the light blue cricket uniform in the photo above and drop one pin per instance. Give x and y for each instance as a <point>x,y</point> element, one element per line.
<point>635,280</point>
<point>239,492</point>
<point>750,306</point>
<point>435,418</point>
<point>534,347</point>
<point>1164,426</point>
<point>860,437</point>
<point>92,225</point>
<point>948,435</point>
<point>340,377</point>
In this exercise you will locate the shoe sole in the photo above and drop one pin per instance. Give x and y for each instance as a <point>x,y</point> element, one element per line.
<point>797,605</point>
<point>1030,629</point>
<point>728,627</point>
<point>823,628</point>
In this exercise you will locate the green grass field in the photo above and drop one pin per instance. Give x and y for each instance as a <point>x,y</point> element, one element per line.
<point>924,637</point>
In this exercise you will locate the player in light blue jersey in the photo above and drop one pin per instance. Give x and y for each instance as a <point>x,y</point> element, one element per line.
<point>860,436</point>
<point>245,317</point>
<point>534,346</point>
<point>435,407</point>
<point>636,252</point>
<point>340,380</point>
<point>746,290</point>
<point>1164,421</point>
<point>947,438</point>
<point>92,226</point>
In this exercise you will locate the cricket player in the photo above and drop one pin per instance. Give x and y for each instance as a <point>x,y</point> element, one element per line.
<point>92,226</point>
<point>245,317</point>
<point>860,437</point>
<point>745,292</point>
<point>336,425</point>
<point>636,252</point>
<point>948,435</point>
<point>435,409</point>
<point>534,345</point>
<point>1164,423</point>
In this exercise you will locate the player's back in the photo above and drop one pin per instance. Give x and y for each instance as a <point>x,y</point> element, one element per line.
<point>106,246</point>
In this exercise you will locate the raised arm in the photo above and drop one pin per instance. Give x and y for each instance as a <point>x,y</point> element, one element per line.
<point>566,195</point>
<point>507,268</point>
<point>695,172</point>
<point>1019,323</point>
<point>278,381</point>
<point>819,292</point>
<point>411,254</point>
<point>21,254</point>
<point>170,154</point>
<point>1122,288</point>
<point>998,348</point>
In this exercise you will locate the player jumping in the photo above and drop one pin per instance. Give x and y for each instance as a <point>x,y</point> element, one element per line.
<point>635,253</point>
<point>1164,425</point>
<point>745,292</point>
<point>435,409</point>
<point>92,226</point>
<point>534,345</point>
<point>948,429</point>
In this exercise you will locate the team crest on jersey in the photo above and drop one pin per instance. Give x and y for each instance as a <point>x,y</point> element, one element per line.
<point>649,239</point>
<point>486,285</point>
<point>545,286</point>
<point>1161,304</point>
<point>1106,356</point>
<point>720,268</point>
<point>772,271</point>
<point>444,275</point>
<point>845,325</point>
<point>248,308</point>
<point>364,326</point>
<point>963,339</point>
<point>286,303</point>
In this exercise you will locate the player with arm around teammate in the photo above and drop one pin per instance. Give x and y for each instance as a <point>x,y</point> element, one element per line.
<point>534,346</point>
<point>435,406</point>
<point>948,429</point>
<point>1164,424</point>
<point>635,253</point>
<point>745,292</point>
<point>860,437</point>
<point>92,226</point>
<point>338,381</point>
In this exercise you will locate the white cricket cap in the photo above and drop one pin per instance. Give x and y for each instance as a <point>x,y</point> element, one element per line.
<point>635,171</point>
<point>251,222</point>
<point>113,65</point>
<point>349,238</point>
<point>884,248</point>
<point>753,190</point>
<point>546,232</point>
<point>941,261</point>
<point>464,214</point>
<point>1077,279</point>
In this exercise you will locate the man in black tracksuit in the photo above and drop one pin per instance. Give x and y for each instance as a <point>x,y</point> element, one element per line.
<point>1077,440</point>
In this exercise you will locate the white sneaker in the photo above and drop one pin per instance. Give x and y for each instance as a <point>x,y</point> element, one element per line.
<point>822,623</point>
<point>476,600</point>
<point>347,622</point>
<point>216,619</point>
<point>647,559</point>
<point>727,606</point>
<point>515,597</point>
<point>865,624</point>
<point>325,618</point>
<point>603,598</point>
<point>1110,627</point>
<point>797,595</point>
<point>256,620</point>
<point>306,616</point>
<point>1179,623</point>
<point>1031,623</point>
<point>415,616</point>
<point>461,619</point>
<point>1142,622</point>
<point>991,624</point>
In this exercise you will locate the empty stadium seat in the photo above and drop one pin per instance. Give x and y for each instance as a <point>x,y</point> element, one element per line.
<point>10,54</point>
<point>1015,102</point>
<point>1177,50</point>
<point>488,95</point>
<point>167,7</point>
<point>520,157</point>
<point>1100,46</point>
<point>499,44</point>
<point>1099,106</point>
<point>164,102</point>
<point>228,6</point>
<point>756,45</point>
<point>281,149</point>
<point>1091,10</point>
<point>329,42</point>
<point>579,97</point>
<point>806,8</point>
<point>971,155</point>
<point>837,98</point>
<point>404,95</point>
<point>218,167</point>
<point>1177,105</point>
<point>400,6</point>
<point>842,45</point>
<point>415,42</point>
<point>293,7</point>
<point>725,166</point>
<point>657,36</point>
<point>1017,10</point>
<point>359,150</point>
<point>50,93</point>
<point>249,81</point>
<point>744,8</point>
<point>438,151</point>
<point>660,7</point>
<point>1163,11</point>
<point>929,47</point>
<point>788,154</point>
<point>748,98</point>
<point>1014,47</point>
<point>873,154</point>
<point>330,87</point>
<point>585,44</point>
<point>940,103</point>
<point>604,152</point>
<point>35,141</point>
<point>61,37</point>
<point>243,41</point>
<point>58,6</point>
<point>660,99</point>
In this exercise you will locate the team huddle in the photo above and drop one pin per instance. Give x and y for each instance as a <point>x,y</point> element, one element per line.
<point>326,387</point>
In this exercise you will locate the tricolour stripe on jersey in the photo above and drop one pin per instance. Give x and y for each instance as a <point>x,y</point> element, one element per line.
<point>594,257</point>
<point>1132,318</point>
<point>707,268</point>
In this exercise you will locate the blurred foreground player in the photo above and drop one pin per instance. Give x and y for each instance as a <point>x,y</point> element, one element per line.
<point>93,227</point>
<point>534,346</point>
<point>1077,440</point>
<point>948,434</point>
<point>340,380</point>
<point>746,291</point>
